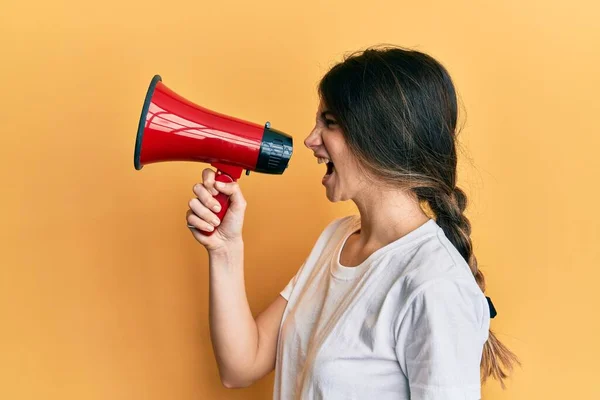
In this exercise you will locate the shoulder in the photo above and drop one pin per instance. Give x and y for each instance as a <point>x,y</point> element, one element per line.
<point>330,235</point>
<point>349,221</point>
<point>324,244</point>
<point>339,226</point>
<point>435,259</point>
<point>436,277</point>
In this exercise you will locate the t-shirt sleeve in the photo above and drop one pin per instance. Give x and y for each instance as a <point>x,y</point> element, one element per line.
<point>287,291</point>
<point>439,341</point>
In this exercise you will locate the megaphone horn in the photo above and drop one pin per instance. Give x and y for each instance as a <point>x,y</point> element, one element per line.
<point>172,128</point>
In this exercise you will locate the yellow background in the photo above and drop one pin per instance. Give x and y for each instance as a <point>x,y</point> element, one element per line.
<point>103,291</point>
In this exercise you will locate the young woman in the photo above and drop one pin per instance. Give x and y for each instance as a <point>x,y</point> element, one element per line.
<point>389,304</point>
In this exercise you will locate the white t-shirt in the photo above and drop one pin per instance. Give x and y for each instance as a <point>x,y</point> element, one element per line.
<point>409,322</point>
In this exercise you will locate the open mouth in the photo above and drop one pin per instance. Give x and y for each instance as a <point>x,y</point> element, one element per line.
<point>330,168</point>
<point>328,164</point>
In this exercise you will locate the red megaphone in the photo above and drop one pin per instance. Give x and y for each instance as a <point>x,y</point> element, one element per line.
<point>172,128</point>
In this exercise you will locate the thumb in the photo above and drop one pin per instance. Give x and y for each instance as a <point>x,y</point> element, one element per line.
<point>232,189</point>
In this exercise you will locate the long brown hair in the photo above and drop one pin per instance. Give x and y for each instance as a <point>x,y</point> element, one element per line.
<point>398,111</point>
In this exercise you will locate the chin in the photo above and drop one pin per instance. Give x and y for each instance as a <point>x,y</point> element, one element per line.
<point>331,195</point>
<point>335,196</point>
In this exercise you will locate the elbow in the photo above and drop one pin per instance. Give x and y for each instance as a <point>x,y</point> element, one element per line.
<point>235,383</point>
<point>228,384</point>
<point>239,377</point>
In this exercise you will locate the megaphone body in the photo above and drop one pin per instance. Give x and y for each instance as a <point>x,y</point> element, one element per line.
<point>172,128</point>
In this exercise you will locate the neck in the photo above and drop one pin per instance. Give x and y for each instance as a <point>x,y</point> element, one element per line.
<point>387,215</point>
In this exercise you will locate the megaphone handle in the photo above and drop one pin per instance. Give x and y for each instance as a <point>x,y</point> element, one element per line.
<point>222,198</point>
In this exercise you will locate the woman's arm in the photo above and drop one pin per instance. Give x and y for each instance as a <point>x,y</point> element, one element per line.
<point>245,348</point>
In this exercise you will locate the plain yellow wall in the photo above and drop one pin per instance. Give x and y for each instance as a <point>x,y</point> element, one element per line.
<point>103,291</point>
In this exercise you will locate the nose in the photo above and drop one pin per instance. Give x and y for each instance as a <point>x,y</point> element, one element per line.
<point>313,140</point>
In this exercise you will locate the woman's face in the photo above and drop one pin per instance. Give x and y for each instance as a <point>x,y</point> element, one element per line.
<point>341,179</point>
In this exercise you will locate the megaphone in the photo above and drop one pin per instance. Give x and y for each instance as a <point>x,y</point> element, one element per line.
<point>172,128</point>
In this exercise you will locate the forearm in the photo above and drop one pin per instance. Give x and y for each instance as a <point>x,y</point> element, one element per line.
<point>233,329</point>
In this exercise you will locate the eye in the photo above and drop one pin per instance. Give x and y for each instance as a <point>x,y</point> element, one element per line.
<point>323,116</point>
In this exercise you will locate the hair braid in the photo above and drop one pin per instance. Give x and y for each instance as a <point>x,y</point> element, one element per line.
<point>497,360</point>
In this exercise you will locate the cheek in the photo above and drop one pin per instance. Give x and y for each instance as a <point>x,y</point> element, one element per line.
<point>347,161</point>
<point>335,145</point>
<point>352,175</point>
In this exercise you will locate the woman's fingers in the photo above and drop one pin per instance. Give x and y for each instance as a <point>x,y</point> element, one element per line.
<point>206,198</point>
<point>202,212</point>
<point>208,180</point>
<point>233,190</point>
<point>196,222</point>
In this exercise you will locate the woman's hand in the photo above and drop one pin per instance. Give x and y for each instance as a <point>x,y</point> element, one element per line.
<point>202,214</point>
